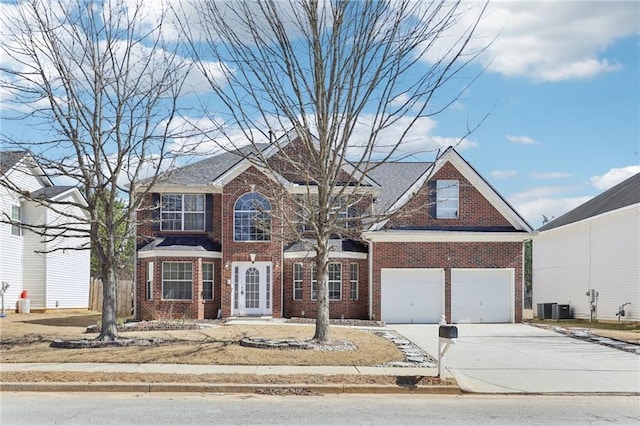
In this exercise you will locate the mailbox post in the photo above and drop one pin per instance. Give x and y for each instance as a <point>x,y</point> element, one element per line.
<point>447,335</point>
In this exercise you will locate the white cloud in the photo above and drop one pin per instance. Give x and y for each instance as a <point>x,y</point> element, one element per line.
<point>521,140</point>
<point>614,177</point>
<point>534,209</point>
<point>548,41</point>
<point>550,175</point>
<point>503,174</point>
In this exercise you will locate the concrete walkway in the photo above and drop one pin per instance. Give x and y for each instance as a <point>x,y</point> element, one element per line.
<point>519,358</point>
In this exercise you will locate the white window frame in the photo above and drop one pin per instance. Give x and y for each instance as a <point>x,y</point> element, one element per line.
<point>298,280</point>
<point>314,282</point>
<point>183,280</point>
<point>208,281</point>
<point>244,217</point>
<point>354,272</point>
<point>447,199</point>
<point>16,220</point>
<point>335,281</point>
<point>182,213</point>
<point>149,289</point>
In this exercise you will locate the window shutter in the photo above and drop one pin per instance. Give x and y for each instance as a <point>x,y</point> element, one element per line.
<point>433,199</point>
<point>208,219</point>
<point>155,212</point>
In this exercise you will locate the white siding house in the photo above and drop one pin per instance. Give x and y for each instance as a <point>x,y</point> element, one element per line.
<point>54,272</point>
<point>595,246</point>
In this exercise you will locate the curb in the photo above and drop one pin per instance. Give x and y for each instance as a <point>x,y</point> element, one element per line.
<point>302,389</point>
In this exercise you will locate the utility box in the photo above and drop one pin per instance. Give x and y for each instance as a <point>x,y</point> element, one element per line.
<point>560,312</point>
<point>448,332</point>
<point>545,310</point>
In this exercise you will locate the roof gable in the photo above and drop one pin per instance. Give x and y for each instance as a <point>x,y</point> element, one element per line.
<point>473,177</point>
<point>624,194</point>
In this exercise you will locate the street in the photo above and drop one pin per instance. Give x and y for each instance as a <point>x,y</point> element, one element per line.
<point>26,408</point>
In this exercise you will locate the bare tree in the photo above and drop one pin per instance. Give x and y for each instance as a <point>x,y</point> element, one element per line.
<point>103,89</point>
<point>354,79</point>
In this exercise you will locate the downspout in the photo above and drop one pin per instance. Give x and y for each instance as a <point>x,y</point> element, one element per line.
<point>370,253</point>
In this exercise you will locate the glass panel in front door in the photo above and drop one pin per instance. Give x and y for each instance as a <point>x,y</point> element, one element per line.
<point>252,289</point>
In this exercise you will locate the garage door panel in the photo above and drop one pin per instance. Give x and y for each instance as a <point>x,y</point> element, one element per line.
<point>482,295</point>
<point>412,295</point>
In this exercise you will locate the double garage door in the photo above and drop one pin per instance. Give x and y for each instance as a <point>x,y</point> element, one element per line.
<point>417,295</point>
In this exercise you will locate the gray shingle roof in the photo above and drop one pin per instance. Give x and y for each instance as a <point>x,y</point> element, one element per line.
<point>623,194</point>
<point>335,245</point>
<point>395,179</point>
<point>182,242</point>
<point>50,191</point>
<point>205,171</point>
<point>8,159</point>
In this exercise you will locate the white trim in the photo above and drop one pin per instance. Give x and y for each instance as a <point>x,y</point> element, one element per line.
<point>179,253</point>
<point>600,216</point>
<point>443,236</point>
<point>332,255</point>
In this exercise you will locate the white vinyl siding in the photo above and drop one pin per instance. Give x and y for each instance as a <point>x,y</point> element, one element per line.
<point>600,253</point>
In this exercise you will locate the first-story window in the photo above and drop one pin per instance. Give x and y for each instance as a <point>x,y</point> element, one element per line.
<point>314,282</point>
<point>16,220</point>
<point>354,281</point>
<point>297,281</point>
<point>177,280</point>
<point>149,281</point>
<point>207,281</point>
<point>335,281</point>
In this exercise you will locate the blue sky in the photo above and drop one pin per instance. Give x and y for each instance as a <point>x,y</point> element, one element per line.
<point>562,94</point>
<point>561,91</point>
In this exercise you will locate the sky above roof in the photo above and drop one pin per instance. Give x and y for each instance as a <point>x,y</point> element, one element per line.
<point>557,101</point>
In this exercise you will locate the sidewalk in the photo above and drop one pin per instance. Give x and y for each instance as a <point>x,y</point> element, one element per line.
<point>220,369</point>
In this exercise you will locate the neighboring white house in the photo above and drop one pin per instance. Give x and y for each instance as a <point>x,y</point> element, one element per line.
<point>53,271</point>
<point>594,246</point>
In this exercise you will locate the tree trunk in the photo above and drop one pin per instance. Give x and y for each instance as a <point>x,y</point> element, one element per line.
<point>322,268</point>
<point>109,307</point>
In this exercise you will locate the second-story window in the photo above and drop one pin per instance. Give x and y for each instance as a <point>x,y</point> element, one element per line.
<point>252,218</point>
<point>447,199</point>
<point>183,212</point>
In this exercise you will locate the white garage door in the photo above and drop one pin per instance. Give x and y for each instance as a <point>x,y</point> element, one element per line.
<point>411,296</point>
<point>482,295</point>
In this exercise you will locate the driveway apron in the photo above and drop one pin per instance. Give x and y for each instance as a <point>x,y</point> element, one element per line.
<point>519,358</point>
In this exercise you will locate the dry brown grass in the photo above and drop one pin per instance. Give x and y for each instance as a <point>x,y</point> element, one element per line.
<point>26,338</point>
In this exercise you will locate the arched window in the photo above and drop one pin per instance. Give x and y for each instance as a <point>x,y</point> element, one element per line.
<point>252,218</point>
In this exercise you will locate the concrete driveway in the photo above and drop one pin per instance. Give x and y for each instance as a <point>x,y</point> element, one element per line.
<point>519,358</point>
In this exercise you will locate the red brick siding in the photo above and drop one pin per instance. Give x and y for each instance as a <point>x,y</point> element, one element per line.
<point>344,308</point>
<point>447,256</point>
<point>474,209</point>
<point>197,307</point>
<point>269,251</point>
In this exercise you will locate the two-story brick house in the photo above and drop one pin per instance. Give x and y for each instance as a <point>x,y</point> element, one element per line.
<point>454,247</point>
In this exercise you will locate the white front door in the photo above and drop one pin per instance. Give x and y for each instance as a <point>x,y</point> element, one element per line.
<point>252,288</point>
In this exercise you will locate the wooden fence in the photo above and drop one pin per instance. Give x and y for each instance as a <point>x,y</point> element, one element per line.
<point>124,297</point>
